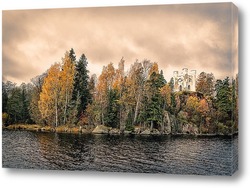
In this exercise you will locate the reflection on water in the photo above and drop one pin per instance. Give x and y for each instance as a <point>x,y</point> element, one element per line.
<point>148,154</point>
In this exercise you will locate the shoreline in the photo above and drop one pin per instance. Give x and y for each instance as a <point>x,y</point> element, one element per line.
<point>105,131</point>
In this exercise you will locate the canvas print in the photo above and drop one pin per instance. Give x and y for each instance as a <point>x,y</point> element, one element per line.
<point>138,89</point>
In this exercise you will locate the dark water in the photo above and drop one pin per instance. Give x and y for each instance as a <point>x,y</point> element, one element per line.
<point>148,154</point>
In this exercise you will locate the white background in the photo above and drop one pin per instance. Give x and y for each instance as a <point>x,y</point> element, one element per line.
<point>36,178</point>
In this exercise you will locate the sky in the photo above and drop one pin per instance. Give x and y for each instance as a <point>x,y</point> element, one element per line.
<point>200,37</point>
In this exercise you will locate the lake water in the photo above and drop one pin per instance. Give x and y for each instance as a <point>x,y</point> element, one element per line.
<point>141,154</point>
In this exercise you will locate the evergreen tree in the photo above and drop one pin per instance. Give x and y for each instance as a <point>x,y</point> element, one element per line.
<point>223,100</point>
<point>25,117</point>
<point>14,105</point>
<point>171,84</point>
<point>155,108</point>
<point>111,117</point>
<point>4,97</point>
<point>72,55</point>
<point>81,85</point>
<point>7,88</point>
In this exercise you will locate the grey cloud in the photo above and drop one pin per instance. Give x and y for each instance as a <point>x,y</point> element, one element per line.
<point>175,36</point>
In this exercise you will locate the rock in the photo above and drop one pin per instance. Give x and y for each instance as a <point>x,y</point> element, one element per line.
<point>190,129</point>
<point>146,132</point>
<point>137,130</point>
<point>155,132</point>
<point>84,131</point>
<point>101,129</point>
<point>127,132</point>
<point>114,131</point>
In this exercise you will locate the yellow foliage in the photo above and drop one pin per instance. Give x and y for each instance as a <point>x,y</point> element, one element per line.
<point>166,93</point>
<point>192,103</point>
<point>154,68</point>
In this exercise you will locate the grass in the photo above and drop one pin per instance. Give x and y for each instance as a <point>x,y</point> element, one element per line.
<point>59,129</point>
<point>25,127</point>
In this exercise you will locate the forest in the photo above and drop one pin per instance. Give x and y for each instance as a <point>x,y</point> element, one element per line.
<point>67,95</point>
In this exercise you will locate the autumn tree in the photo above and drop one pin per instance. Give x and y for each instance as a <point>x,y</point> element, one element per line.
<point>191,107</point>
<point>166,96</point>
<point>34,111</point>
<point>48,104</point>
<point>205,84</point>
<point>105,83</point>
<point>137,77</point>
<point>92,87</point>
<point>119,88</point>
<point>66,85</point>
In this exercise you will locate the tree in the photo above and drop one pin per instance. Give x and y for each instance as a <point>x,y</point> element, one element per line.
<point>7,88</point>
<point>191,108</point>
<point>205,84</point>
<point>166,96</point>
<point>119,86</point>
<point>81,85</point>
<point>34,111</point>
<point>4,98</point>
<point>50,96</point>
<point>155,109</point>
<point>192,103</point>
<point>92,87</point>
<point>223,100</point>
<point>72,55</point>
<point>14,105</point>
<point>66,85</point>
<point>203,108</point>
<point>25,100</point>
<point>171,84</point>
<point>104,85</point>
<point>17,104</point>
<point>111,117</point>
<point>137,76</point>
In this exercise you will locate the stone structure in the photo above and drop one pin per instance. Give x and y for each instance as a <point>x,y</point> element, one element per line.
<point>185,81</point>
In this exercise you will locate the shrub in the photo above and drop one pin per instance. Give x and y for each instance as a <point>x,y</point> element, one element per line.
<point>222,129</point>
<point>5,119</point>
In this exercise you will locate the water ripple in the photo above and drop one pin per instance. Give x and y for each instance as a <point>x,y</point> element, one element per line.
<point>153,154</point>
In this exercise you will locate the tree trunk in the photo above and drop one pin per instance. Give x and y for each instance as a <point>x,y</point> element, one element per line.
<point>102,116</point>
<point>152,125</point>
<point>136,108</point>
<point>56,112</point>
<point>65,108</point>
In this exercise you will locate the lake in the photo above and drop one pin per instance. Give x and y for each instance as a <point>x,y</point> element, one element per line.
<point>134,153</point>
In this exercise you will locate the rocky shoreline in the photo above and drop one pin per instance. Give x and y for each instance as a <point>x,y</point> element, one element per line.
<point>101,129</point>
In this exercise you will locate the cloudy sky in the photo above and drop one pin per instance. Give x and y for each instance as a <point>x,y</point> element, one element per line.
<point>201,37</point>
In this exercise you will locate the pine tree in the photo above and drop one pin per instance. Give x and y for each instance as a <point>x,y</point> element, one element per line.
<point>155,108</point>
<point>111,117</point>
<point>81,85</point>
<point>223,100</point>
<point>14,105</point>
